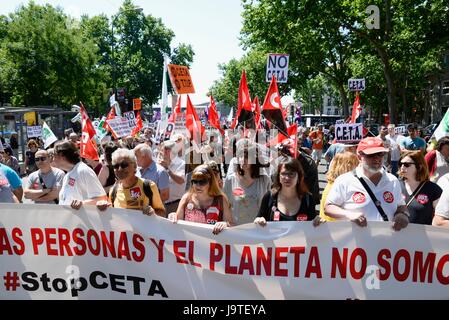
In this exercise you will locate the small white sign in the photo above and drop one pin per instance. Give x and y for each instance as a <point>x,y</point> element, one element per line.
<point>400,130</point>
<point>120,126</point>
<point>34,131</point>
<point>349,132</point>
<point>277,64</point>
<point>356,84</point>
<point>131,117</point>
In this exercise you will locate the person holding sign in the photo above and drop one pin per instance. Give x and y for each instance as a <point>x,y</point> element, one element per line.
<point>368,193</point>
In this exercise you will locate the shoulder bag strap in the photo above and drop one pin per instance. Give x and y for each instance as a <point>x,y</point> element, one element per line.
<point>416,192</point>
<point>373,197</point>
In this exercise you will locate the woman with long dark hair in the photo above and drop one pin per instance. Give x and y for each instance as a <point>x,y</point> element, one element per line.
<point>289,198</point>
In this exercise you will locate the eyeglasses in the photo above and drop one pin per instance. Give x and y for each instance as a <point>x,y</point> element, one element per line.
<point>122,165</point>
<point>200,182</point>
<point>375,155</point>
<point>288,174</point>
<point>406,164</point>
<point>40,158</point>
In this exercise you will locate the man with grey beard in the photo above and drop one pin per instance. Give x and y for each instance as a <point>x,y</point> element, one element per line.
<point>350,199</point>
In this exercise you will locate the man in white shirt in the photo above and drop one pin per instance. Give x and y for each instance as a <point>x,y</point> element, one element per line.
<point>175,168</point>
<point>441,217</point>
<point>349,199</point>
<point>395,148</point>
<point>80,185</point>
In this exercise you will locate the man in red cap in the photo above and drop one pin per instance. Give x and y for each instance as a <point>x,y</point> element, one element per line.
<point>369,193</point>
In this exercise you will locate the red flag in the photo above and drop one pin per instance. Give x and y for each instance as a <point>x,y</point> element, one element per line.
<point>244,108</point>
<point>214,120</point>
<point>257,112</point>
<point>193,123</point>
<point>110,116</point>
<point>272,108</point>
<point>356,108</point>
<point>88,146</point>
<point>139,125</point>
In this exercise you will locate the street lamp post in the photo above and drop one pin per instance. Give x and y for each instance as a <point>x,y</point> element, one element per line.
<point>135,9</point>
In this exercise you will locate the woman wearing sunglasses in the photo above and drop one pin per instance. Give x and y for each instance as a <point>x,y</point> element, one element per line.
<point>420,194</point>
<point>289,199</point>
<point>204,202</point>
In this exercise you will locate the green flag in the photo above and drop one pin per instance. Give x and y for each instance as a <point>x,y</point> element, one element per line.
<point>47,135</point>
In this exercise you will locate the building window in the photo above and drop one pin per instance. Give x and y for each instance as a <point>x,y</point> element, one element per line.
<point>445,86</point>
<point>336,112</point>
<point>329,101</point>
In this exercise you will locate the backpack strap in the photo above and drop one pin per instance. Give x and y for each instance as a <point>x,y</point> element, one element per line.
<point>114,193</point>
<point>147,190</point>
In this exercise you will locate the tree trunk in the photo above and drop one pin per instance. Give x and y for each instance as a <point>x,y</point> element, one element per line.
<point>344,100</point>
<point>391,89</point>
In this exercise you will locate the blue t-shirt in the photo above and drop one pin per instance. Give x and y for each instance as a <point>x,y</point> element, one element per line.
<point>13,178</point>
<point>413,144</point>
<point>155,173</point>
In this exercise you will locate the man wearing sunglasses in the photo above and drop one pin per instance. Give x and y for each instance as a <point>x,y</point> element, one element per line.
<point>43,185</point>
<point>350,199</point>
<point>130,191</point>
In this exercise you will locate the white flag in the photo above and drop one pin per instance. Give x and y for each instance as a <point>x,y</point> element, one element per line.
<point>47,135</point>
<point>231,115</point>
<point>443,128</point>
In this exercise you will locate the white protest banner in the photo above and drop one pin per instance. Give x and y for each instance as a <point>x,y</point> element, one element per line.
<point>34,131</point>
<point>277,64</point>
<point>47,135</point>
<point>400,130</point>
<point>54,252</point>
<point>120,126</point>
<point>348,132</point>
<point>356,84</point>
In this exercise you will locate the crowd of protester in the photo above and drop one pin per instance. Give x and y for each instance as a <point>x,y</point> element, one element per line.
<point>236,179</point>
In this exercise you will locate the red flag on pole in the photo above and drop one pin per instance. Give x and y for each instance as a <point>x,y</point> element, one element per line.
<point>257,112</point>
<point>244,108</point>
<point>88,146</point>
<point>213,118</point>
<point>272,108</point>
<point>139,125</point>
<point>193,123</point>
<point>356,108</point>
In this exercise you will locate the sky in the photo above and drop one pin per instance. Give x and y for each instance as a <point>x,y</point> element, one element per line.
<point>212,27</point>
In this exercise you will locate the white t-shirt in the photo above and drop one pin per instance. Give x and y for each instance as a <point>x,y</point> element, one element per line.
<point>80,183</point>
<point>395,142</point>
<point>177,190</point>
<point>442,167</point>
<point>348,193</point>
<point>442,208</point>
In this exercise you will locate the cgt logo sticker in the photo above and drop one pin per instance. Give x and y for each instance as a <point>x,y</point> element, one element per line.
<point>358,197</point>
<point>388,197</point>
<point>135,193</point>
<point>422,199</point>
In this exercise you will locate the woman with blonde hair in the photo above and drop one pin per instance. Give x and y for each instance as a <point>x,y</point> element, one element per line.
<point>204,202</point>
<point>342,162</point>
<point>421,195</point>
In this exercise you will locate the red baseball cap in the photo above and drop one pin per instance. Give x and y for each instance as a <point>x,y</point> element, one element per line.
<point>371,145</point>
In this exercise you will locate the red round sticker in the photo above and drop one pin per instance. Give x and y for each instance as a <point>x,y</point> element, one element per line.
<point>301,217</point>
<point>238,192</point>
<point>388,197</point>
<point>358,197</point>
<point>422,198</point>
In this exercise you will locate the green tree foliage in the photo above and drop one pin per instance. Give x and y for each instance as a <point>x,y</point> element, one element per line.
<point>43,61</point>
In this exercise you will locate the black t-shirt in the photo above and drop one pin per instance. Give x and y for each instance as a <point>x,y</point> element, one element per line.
<point>421,208</point>
<point>31,157</point>
<point>268,209</point>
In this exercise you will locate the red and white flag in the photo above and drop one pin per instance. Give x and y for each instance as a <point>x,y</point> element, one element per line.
<point>356,109</point>
<point>139,124</point>
<point>272,108</point>
<point>244,108</point>
<point>88,146</point>
<point>213,118</point>
<point>193,123</point>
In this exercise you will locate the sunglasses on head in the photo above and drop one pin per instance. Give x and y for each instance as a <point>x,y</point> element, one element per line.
<point>40,158</point>
<point>200,182</point>
<point>122,165</point>
<point>406,164</point>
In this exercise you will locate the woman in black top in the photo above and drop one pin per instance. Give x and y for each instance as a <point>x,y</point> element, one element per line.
<point>420,194</point>
<point>289,199</point>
